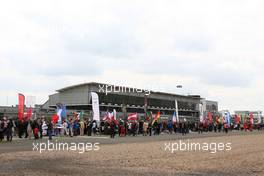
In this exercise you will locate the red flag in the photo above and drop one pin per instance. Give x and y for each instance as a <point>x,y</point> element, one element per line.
<point>210,117</point>
<point>55,118</point>
<point>29,113</point>
<point>132,116</point>
<point>251,118</point>
<point>21,104</point>
<point>157,117</point>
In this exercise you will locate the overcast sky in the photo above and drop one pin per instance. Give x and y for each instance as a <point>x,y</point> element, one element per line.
<point>212,48</point>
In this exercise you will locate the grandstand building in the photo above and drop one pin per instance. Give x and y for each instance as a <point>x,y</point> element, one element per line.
<point>126,100</point>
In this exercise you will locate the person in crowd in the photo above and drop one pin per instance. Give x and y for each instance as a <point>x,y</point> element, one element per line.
<point>215,127</point>
<point>29,130</point>
<point>25,125</point>
<point>129,128</point>
<point>20,125</point>
<point>119,129</point>
<point>226,127</point>
<point>75,127</point>
<point>89,128</point>
<point>50,129</point>
<point>200,128</point>
<point>44,128</point>
<point>36,131</point>
<point>40,122</point>
<point>2,130</point>
<point>112,129</point>
<point>145,129</point>
<point>170,126</point>
<point>126,127</point>
<point>94,127</point>
<point>81,128</point>
<point>150,128</point>
<point>9,131</point>
<point>134,128</point>
<point>70,126</point>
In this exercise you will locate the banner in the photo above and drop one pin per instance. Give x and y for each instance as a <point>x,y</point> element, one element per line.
<point>95,104</point>
<point>59,111</point>
<point>29,113</point>
<point>259,117</point>
<point>21,105</point>
<point>251,118</point>
<point>177,111</point>
<point>201,112</point>
<point>228,118</point>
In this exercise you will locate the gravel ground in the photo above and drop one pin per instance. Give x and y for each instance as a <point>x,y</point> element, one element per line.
<point>144,158</point>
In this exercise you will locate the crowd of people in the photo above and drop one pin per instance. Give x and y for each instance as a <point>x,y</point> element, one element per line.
<point>76,127</point>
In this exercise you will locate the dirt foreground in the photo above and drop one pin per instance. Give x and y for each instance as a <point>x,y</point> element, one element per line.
<point>245,158</point>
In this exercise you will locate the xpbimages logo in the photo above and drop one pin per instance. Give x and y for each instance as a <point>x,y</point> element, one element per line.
<point>121,89</point>
<point>63,146</point>
<point>194,146</point>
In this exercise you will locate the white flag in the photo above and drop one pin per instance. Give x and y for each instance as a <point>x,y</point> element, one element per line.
<point>114,113</point>
<point>201,112</point>
<point>176,111</point>
<point>95,103</point>
<point>259,117</point>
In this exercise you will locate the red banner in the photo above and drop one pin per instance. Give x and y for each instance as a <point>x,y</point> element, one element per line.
<point>21,104</point>
<point>29,113</point>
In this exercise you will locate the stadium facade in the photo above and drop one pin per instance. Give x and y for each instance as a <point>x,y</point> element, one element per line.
<point>127,100</point>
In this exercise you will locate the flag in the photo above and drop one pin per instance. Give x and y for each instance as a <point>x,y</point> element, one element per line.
<point>29,113</point>
<point>228,119</point>
<point>174,117</point>
<point>251,118</point>
<point>80,116</point>
<point>106,117</point>
<point>201,112</point>
<point>111,115</point>
<point>210,117</point>
<point>95,104</point>
<point>132,116</point>
<point>21,105</point>
<point>259,117</point>
<point>236,119</point>
<point>59,111</point>
<point>157,117</point>
<point>55,118</point>
<point>177,111</point>
<point>64,112</point>
<point>149,116</point>
<point>114,114</point>
<point>245,119</point>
